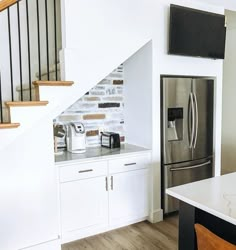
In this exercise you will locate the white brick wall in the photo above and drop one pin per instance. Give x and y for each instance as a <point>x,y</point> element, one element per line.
<point>101,109</point>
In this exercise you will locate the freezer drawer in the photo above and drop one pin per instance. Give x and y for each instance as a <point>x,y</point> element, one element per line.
<point>179,174</point>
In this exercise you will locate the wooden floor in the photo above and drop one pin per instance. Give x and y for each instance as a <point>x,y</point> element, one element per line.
<point>143,235</point>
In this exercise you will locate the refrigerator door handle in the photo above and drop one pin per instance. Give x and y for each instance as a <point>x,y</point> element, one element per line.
<point>191,116</point>
<point>191,167</point>
<point>196,120</point>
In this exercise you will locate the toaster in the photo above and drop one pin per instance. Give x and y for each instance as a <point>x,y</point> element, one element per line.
<point>110,140</point>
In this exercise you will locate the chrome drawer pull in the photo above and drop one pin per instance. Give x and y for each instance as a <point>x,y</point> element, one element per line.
<point>85,171</point>
<point>130,164</point>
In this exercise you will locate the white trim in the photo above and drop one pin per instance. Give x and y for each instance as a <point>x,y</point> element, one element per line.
<point>156,216</point>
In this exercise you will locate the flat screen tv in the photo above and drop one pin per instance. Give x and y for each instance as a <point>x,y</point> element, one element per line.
<point>196,33</point>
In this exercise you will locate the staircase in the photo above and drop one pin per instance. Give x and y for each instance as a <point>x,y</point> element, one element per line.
<point>12,11</point>
<point>36,102</point>
<point>36,61</point>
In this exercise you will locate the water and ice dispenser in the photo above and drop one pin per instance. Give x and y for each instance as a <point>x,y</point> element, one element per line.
<point>175,124</point>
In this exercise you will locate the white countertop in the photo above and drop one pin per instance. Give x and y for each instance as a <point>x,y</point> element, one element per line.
<point>216,196</point>
<point>98,153</point>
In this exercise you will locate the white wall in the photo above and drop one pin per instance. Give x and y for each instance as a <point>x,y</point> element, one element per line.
<point>131,25</point>
<point>138,103</point>
<point>229,102</point>
<point>137,94</point>
<point>28,189</point>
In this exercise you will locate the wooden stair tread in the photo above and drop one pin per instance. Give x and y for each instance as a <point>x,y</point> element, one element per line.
<point>26,104</point>
<point>9,125</point>
<point>6,3</point>
<point>53,83</point>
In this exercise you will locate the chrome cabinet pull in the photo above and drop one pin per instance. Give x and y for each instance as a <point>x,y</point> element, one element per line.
<point>111,182</point>
<point>130,164</point>
<point>106,180</point>
<point>85,171</point>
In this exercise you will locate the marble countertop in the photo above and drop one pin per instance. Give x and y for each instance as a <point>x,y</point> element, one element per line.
<point>216,196</point>
<point>98,153</point>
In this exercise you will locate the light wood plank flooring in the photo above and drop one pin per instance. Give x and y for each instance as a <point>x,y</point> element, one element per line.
<point>143,235</point>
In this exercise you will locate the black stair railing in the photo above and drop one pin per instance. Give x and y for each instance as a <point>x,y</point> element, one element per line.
<point>1,108</point>
<point>28,42</point>
<point>40,55</point>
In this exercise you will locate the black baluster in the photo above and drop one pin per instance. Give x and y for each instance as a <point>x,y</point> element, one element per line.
<point>28,41</point>
<point>38,28</point>
<point>55,30</point>
<point>10,53</point>
<point>20,56</point>
<point>47,38</point>
<point>1,107</point>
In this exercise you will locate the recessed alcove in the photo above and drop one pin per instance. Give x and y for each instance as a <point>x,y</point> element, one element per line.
<point>121,103</point>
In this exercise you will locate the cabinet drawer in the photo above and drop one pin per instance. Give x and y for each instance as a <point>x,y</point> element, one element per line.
<point>82,171</point>
<point>129,163</point>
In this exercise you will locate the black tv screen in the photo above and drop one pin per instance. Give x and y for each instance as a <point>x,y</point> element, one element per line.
<point>196,33</point>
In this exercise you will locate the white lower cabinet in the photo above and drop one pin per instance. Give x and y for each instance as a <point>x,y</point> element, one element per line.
<point>98,196</point>
<point>128,197</point>
<point>84,207</point>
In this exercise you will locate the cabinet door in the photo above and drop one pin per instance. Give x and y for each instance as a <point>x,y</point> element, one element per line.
<point>128,197</point>
<point>84,208</point>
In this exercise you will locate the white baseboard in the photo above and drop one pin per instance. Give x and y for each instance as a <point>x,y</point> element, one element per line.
<point>156,216</point>
<point>127,223</point>
<point>82,233</point>
<point>49,245</point>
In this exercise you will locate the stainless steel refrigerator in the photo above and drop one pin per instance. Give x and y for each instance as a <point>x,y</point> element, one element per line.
<point>187,132</point>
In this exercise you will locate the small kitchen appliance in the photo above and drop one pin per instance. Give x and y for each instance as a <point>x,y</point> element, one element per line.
<point>59,132</point>
<point>76,138</point>
<point>110,140</point>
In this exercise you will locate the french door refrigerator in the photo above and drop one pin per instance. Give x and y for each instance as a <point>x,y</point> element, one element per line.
<point>187,133</point>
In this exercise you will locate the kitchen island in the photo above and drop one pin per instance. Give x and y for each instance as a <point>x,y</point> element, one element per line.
<point>210,202</point>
